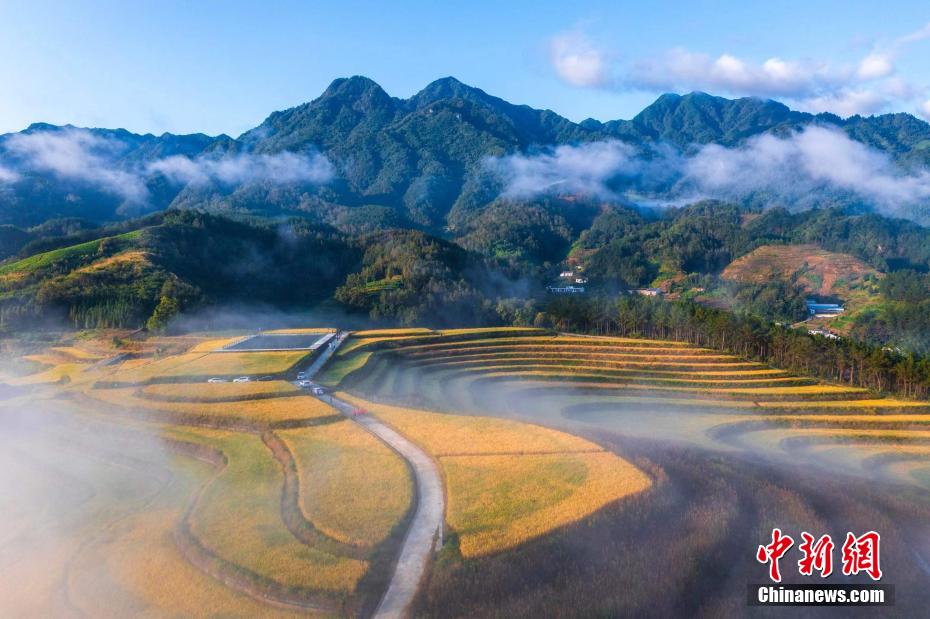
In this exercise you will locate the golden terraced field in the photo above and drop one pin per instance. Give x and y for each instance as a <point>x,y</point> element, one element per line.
<point>509,482</point>
<point>255,499</point>
<point>637,386</point>
<point>269,504</point>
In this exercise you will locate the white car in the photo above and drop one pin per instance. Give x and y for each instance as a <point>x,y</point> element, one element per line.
<point>301,375</point>
<point>242,379</point>
<point>304,383</point>
<point>217,380</point>
<point>318,391</point>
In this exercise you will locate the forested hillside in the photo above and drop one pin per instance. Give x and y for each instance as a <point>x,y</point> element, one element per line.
<point>496,273</point>
<point>455,207</point>
<point>357,158</point>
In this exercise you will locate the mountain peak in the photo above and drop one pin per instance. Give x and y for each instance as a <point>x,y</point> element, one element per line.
<point>356,88</point>
<point>699,117</point>
<point>451,88</point>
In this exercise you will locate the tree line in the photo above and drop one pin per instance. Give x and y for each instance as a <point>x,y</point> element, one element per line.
<point>843,360</point>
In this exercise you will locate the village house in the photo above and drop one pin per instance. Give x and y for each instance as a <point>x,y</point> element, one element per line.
<point>823,310</point>
<point>565,289</point>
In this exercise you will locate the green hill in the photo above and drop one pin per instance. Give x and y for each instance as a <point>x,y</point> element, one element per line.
<point>416,163</point>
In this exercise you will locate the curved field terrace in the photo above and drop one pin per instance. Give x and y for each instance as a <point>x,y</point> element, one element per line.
<point>732,449</point>
<point>592,476</point>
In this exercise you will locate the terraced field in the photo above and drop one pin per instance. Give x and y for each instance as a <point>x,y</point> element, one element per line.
<point>188,498</point>
<point>257,499</point>
<point>732,448</point>
<point>573,468</point>
<point>640,387</point>
<point>509,482</point>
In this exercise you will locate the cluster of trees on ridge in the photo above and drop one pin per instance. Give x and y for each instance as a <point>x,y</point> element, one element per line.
<point>843,361</point>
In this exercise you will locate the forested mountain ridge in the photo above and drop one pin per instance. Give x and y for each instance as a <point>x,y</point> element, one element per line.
<point>359,159</point>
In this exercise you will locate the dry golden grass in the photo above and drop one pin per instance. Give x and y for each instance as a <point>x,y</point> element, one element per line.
<point>575,379</point>
<point>57,372</point>
<point>724,374</point>
<point>621,340</point>
<point>354,343</point>
<point>801,419</point>
<point>762,391</point>
<point>798,390</point>
<point>137,570</point>
<point>200,364</point>
<point>353,488</point>
<point>238,518</point>
<point>859,433</point>
<point>264,411</point>
<point>234,363</point>
<point>547,342</point>
<point>482,330</point>
<point>499,502</point>
<point>871,404</point>
<point>904,448</point>
<point>509,482</point>
<point>145,562</point>
<point>710,380</point>
<point>572,359</point>
<point>132,364</point>
<point>340,367</point>
<point>212,345</point>
<point>383,333</point>
<point>133,257</point>
<point>444,435</point>
<point>204,392</point>
<point>78,354</point>
<point>141,370</point>
<point>359,339</point>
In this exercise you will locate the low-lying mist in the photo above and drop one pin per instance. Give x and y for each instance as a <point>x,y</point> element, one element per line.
<point>70,481</point>
<point>803,169</point>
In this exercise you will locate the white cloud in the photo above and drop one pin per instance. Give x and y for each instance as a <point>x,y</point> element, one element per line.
<point>81,155</point>
<point>925,109</point>
<point>800,170</point>
<point>921,34</point>
<point>846,103</point>
<point>584,169</point>
<point>866,85</point>
<point>875,65</point>
<point>577,60</point>
<point>7,175</point>
<point>681,69</point>
<point>800,166</point>
<point>283,168</point>
<point>78,154</point>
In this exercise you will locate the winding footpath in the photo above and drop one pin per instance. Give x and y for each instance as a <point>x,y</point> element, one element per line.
<point>425,530</point>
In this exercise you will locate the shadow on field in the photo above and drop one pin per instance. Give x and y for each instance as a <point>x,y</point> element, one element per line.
<point>687,547</point>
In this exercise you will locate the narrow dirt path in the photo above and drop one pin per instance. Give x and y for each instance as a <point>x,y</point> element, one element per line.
<point>425,527</point>
<point>425,530</point>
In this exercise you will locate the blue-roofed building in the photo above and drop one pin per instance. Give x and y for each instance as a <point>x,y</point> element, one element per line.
<point>823,310</point>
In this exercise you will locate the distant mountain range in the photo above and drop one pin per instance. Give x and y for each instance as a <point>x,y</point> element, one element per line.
<point>359,159</point>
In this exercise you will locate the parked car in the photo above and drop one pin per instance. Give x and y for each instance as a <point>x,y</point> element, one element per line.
<point>301,375</point>
<point>306,384</point>
<point>318,391</point>
<point>242,379</point>
<point>217,380</point>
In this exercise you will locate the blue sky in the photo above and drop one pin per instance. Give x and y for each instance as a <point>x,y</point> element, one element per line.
<point>221,67</point>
